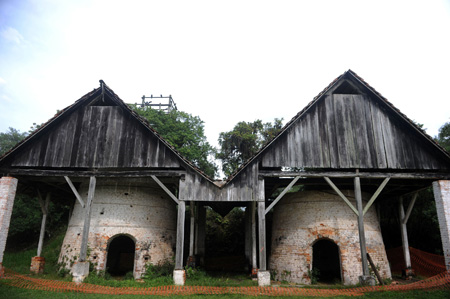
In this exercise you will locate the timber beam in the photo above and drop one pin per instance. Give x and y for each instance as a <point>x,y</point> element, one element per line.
<point>352,174</point>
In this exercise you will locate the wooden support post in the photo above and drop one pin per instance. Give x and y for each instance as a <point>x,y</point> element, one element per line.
<point>248,234</point>
<point>201,233</point>
<point>180,236</point>
<point>191,258</point>
<point>254,252</point>
<point>87,220</point>
<point>276,200</point>
<point>362,237</point>
<point>404,233</point>
<point>44,208</point>
<point>262,235</point>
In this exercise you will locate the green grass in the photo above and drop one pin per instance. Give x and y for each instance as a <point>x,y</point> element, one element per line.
<point>18,293</point>
<point>20,262</point>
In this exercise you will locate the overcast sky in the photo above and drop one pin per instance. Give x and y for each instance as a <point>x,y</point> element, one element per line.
<point>225,61</point>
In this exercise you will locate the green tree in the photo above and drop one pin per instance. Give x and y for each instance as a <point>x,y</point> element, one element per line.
<point>245,140</point>
<point>9,139</point>
<point>444,136</point>
<point>185,133</point>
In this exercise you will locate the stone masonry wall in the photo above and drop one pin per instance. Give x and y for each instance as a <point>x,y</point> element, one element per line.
<point>441,190</point>
<point>144,213</point>
<point>8,186</point>
<point>302,218</point>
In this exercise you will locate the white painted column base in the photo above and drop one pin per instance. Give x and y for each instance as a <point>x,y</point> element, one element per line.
<point>179,277</point>
<point>263,278</point>
<point>367,280</point>
<point>80,271</point>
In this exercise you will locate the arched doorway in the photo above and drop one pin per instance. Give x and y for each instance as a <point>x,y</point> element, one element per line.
<point>120,259</point>
<point>326,260</point>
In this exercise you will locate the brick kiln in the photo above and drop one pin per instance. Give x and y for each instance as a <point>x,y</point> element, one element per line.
<point>133,223</point>
<point>317,230</point>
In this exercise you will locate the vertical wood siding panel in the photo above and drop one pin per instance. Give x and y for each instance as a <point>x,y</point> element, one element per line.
<point>331,131</point>
<point>378,136</point>
<point>391,153</point>
<point>370,137</point>
<point>339,112</point>
<point>71,129</point>
<point>322,126</point>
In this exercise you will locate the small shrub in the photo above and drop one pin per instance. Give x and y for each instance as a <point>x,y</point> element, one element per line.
<point>164,268</point>
<point>313,275</point>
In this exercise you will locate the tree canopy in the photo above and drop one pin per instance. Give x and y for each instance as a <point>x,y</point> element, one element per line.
<point>185,133</point>
<point>444,136</point>
<point>245,140</point>
<point>9,139</point>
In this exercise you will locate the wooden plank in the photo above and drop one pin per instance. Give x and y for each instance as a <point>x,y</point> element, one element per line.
<point>341,195</point>
<point>378,136</point>
<point>87,220</point>
<point>75,191</point>
<point>372,161</point>
<point>323,131</point>
<point>375,195</point>
<point>289,187</point>
<point>332,132</point>
<point>340,131</point>
<point>351,174</point>
<point>174,198</point>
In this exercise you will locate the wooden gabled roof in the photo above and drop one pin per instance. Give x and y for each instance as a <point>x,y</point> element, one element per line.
<point>98,131</point>
<point>349,125</point>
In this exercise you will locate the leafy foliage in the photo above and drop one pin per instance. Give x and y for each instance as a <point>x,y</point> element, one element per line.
<point>225,235</point>
<point>245,140</point>
<point>444,136</point>
<point>27,216</point>
<point>9,139</point>
<point>185,133</point>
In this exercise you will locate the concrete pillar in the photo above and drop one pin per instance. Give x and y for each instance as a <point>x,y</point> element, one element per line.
<point>263,274</point>
<point>441,190</point>
<point>8,187</point>
<point>179,275</point>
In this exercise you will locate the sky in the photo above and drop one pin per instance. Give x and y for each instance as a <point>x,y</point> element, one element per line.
<point>224,61</point>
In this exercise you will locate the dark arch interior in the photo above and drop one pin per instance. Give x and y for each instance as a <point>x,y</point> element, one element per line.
<point>120,258</point>
<point>326,260</point>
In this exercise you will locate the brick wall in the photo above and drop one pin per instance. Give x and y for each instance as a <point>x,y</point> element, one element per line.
<point>8,186</point>
<point>300,219</point>
<point>441,191</point>
<point>145,214</point>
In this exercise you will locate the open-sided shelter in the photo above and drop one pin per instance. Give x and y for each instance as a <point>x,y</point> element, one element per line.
<point>348,149</point>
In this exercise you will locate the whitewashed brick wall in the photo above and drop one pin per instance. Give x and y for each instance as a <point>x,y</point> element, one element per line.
<point>302,218</point>
<point>441,191</point>
<point>146,214</point>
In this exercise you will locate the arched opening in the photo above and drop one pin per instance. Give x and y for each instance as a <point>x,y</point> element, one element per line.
<point>120,259</point>
<point>326,261</point>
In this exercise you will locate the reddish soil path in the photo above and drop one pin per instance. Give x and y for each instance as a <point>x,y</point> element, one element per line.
<point>441,281</point>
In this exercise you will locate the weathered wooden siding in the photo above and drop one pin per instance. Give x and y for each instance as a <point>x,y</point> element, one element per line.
<point>351,131</point>
<point>241,188</point>
<point>96,137</point>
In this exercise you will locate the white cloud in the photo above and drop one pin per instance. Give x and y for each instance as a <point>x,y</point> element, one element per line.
<point>12,35</point>
<point>2,81</point>
<point>5,98</point>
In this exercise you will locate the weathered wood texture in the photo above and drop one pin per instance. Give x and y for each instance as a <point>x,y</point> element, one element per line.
<point>352,131</point>
<point>241,188</point>
<point>97,137</point>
